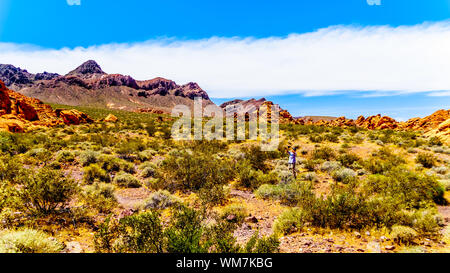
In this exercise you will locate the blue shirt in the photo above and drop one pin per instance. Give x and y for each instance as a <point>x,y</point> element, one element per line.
<point>292,157</point>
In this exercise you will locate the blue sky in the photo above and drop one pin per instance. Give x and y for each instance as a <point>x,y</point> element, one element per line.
<point>53,24</point>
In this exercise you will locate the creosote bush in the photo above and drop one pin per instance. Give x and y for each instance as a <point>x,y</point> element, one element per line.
<point>45,191</point>
<point>186,232</point>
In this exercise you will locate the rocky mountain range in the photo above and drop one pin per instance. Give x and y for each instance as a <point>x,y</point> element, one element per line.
<point>88,84</point>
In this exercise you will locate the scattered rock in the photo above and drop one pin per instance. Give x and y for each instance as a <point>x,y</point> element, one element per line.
<point>73,117</point>
<point>231,218</point>
<point>251,219</point>
<point>111,118</point>
<point>374,247</point>
<point>357,234</point>
<point>390,248</point>
<point>73,247</point>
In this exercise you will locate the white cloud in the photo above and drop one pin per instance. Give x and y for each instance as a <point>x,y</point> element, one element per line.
<point>382,59</point>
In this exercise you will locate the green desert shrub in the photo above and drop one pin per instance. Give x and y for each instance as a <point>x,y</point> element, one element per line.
<point>28,241</point>
<point>237,212</point>
<point>382,161</point>
<point>161,200</point>
<point>403,234</point>
<point>89,157</point>
<point>143,233</point>
<point>311,165</point>
<point>112,163</point>
<point>46,190</point>
<point>344,175</point>
<point>126,180</point>
<point>185,233</point>
<point>347,159</point>
<point>196,172</point>
<point>148,171</point>
<point>290,221</point>
<point>250,178</point>
<point>310,176</point>
<point>330,166</point>
<point>93,173</point>
<point>268,244</point>
<point>407,187</point>
<point>325,153</point>
<point>65,156</point>
<point>427,160</point>
<point>289,194</point>
<point>100,196</point>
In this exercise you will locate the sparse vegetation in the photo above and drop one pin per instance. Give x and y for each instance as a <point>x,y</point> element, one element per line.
<point>139,191</point>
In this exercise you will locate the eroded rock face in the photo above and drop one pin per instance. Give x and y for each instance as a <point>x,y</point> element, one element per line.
<point>5,102</point>
<point>73,117</point>
<point>427,123</point>
<point>19,113</point>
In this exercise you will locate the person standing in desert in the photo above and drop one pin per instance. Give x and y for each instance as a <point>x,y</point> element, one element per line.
<point>293,160</point>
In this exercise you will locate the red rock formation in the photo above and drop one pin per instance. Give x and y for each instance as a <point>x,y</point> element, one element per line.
<point>5,102</point>
<point>427,123</point>
<point>19,113</point>
<point>73,117</point>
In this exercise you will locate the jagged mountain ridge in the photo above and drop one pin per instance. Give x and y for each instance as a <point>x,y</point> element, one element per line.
<point>88,84</point>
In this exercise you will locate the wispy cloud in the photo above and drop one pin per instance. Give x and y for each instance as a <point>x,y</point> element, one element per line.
<point>381,59</point>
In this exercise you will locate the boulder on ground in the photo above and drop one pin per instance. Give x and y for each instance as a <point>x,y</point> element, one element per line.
<point>73,117</point>
<point>111,118</point>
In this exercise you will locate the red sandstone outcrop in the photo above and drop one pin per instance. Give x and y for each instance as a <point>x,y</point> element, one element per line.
<point>19,113</point>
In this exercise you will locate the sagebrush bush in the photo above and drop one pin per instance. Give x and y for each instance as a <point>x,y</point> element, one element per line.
<point>28,241</point>
<point>310,176</point>
<point>89,157</point>
<point>250,178</point>
<point>344,175</point>
<point>330,166</point>
<point>286,193</point>
<point>100,196</point>
<point>403,234</point>
<point>427,160</point>
<point>348,159</point>
<point>237,211</point>
<point>65,156</point>
<point>290,221</point>
<point>256,244</point>
<point>148,171</point>
<point>161,200</point>
<point>325,153</point>
<point>126,180</point>
<point>93,173</point>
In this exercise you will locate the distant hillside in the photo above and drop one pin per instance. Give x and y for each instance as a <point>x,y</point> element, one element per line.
<point>89,85</point>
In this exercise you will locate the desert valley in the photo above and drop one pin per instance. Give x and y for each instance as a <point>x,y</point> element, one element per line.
<point>87,164</point>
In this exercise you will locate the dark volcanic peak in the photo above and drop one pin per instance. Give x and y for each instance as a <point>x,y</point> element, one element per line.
<point>88,68</point>
<point>12,75</point>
